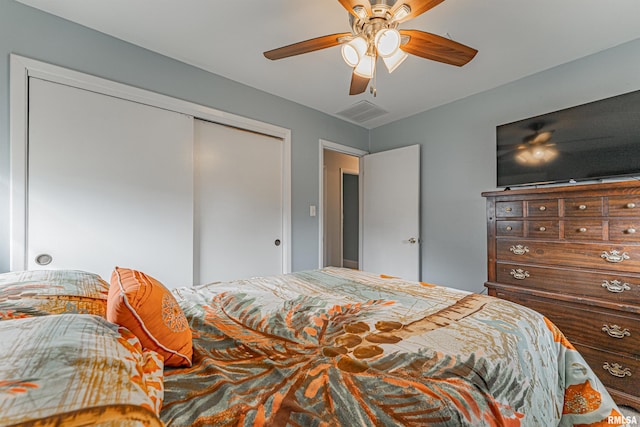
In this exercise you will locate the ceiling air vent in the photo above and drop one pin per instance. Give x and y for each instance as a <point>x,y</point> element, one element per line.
<point>361,112</point>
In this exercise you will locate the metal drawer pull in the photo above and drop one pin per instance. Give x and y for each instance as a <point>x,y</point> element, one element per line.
<point>509,209</point>
<point>582,207</point>
<point>509,228</point>
<point>615,286</point>
<point>616,331</point>
<point>630,230</point>
<point>616,370</point>
<point>631,205</point>
<point>614,256</point>
<point>519,274</point>
<point>519,249</point>
<point>543,208</point>
<point>582,230</point>
<point>542,228</point>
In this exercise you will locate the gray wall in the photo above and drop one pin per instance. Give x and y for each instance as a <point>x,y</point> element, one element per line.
<point>41,36</point>
<point>458,153</point>
<point>458,139</point>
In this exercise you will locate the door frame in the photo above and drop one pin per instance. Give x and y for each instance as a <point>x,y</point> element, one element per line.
<point>21,68</point>
<point>344,149</point>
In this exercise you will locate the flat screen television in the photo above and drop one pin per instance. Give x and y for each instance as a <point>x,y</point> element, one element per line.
<point>592,141</point>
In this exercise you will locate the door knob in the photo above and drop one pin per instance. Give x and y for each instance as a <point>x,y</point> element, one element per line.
<point>277,242</point>
<point>413,240</point>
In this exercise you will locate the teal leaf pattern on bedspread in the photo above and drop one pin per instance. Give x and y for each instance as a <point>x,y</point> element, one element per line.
<point>338,347</point>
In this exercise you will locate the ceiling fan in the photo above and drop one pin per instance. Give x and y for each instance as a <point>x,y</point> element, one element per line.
<point>536,148</point>
<point>374,33</point>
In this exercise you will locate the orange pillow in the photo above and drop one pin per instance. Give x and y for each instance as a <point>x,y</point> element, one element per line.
<point>145,307</point>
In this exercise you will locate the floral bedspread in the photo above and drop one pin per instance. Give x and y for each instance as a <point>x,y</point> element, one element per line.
<point>338,347</point>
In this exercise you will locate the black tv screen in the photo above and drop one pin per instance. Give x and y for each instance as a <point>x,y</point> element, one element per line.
<point>592,141</point>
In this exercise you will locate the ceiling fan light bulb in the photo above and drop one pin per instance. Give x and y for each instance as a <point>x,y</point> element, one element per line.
<point>402,12</point>
<point>365,67</point>
<point>360,11</point>
<point>387,41</point>
<point>353,51</point>
<point>349,55</point>
<point>392,62</point>
<point>533,155</point>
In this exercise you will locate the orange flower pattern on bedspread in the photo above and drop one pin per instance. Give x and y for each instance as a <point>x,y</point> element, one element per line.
<point>345,348</point>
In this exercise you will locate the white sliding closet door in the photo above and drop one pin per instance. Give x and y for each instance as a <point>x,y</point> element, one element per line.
<point>238,203</point>
<point>110,182</point>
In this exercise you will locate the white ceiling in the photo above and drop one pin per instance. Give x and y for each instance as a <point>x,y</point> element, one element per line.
<point>515,38</point>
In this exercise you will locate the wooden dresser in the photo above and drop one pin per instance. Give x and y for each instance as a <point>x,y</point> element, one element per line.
<point>573,254</point>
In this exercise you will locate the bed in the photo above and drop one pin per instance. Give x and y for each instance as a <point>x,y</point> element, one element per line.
<point>330,347</point>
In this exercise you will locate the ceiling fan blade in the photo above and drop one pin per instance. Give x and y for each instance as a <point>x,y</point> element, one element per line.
<point>350,5</point>
<point>418,7</point>
<point>542,137</point>
<point>437,48</point>
<point>358,84</point>
<point>305,46</point>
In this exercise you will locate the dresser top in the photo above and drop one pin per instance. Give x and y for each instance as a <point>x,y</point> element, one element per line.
<point>611,188</point>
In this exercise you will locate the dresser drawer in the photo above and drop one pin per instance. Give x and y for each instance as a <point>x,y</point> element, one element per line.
<point>583,230</point>
<point>592,255</point>
<point>509,228</point>
<point>624,230</point>
<point>624,205</point>
<point>548,208</point>
<point>583,206</point>
<point>543,229</point>
<point>509,209</point>
<point>611,287</point>
<point>596,327</point>
<point>615,371</point>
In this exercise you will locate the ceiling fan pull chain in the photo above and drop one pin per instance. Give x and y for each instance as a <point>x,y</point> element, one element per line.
<point>372,88</point>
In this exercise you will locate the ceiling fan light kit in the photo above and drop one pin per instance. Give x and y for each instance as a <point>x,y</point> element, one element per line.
<point>393,61</point>
<point>387,41</point>
<point>374,33</point>
<point>354,50</point>
<point>534,155</point>
<point>366,66</point>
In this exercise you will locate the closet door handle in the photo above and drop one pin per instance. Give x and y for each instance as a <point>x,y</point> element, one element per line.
<point>43,259</point>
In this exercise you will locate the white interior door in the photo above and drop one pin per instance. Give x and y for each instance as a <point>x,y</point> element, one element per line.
<point>110,182</point>
<point>239,203</point>
<point>391,212</point>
